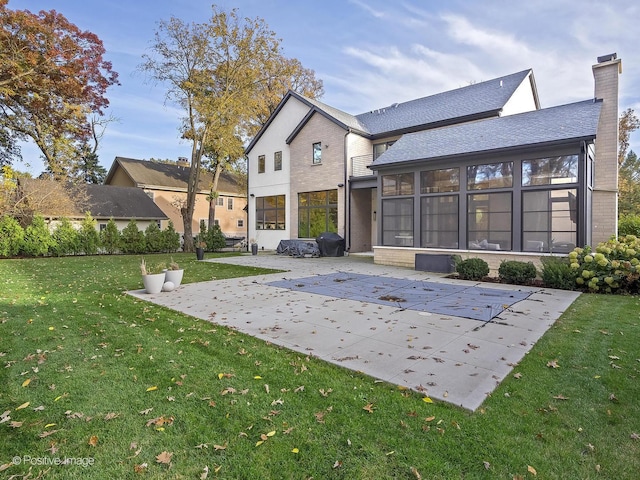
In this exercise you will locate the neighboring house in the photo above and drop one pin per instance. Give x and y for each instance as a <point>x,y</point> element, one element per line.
<point>103,202</point>
<point>166,184</point>
<point>479,169</point>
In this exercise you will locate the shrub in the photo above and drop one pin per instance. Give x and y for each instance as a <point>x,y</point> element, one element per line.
<point>88,237</point>
<point>215,239</point>
<point>11,236</point>
<point>472,269</point>
<point>519,273</point>
<point>37,238</point>
<point>557,273</point>
<point>629,225</point>
<point>153,238</point>
<point>132,239</point>
<point>65,239</point>
<point>110,237</point>
<point>613,268</point>
<point>170,239</point>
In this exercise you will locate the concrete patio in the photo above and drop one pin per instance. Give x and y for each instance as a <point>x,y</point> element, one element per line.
<point>450,358</point>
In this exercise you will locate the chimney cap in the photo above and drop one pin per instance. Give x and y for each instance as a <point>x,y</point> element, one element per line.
<point>607,58</point>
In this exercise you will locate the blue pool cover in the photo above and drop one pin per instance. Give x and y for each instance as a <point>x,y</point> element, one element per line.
<point>477,303</point>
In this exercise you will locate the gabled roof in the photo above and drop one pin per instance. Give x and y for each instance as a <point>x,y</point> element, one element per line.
<point>572,122</point>
<point>476,101</point>
<point>109,201</point>
<point>171,176</point>
<point>479,100</point>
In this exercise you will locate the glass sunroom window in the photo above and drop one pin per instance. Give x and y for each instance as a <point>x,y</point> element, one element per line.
<point>492,175</point>
<point>551,170</point>
<point>489,221</point>
<point>549,221</point>
<point>397,222</point>
<point>439,221</point>
<point>397,184</point>
<point>438,181</point>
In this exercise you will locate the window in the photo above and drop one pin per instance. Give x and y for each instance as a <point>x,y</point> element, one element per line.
<point>549,220</point>
<point>219,202</point>
<point>547,171</point>
<point>397,222</point>
<point>103,226</point>
<point>240,223</point>
<point>380,148</point>
<point>438,181</point>
<point>230,203</point>
<point>439,221</point>
<point>216,221</point>
<point>277,161</point>
<point>489,221</point>
<point>399,184</point>
<point>317,153</point>
<point>493,175</point>
<point>270,213</point>
<point>261,164</point>
<point>317,213</point>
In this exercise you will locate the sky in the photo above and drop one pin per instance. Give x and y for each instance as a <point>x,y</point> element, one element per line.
<point>368,53</point>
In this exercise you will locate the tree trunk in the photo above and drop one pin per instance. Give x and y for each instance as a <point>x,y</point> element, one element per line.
<point>192,192</point>
<point>213,198</point>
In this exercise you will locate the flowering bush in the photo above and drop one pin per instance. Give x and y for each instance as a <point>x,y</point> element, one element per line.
<point>614,267</point>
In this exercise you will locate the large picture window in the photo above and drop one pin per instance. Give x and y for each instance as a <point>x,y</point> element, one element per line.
<point>270,213</point>
<point>489,221</point>
<point>492,175</point>
<point>397,222</point>
<point>439,221</point>
<point>438,181</point>
<point>317,213</point>
<point>552,170</point>
<point>397,184</point>
<point>549,221</point>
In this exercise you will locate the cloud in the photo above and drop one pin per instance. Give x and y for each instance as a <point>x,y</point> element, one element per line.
<point>368,8</point>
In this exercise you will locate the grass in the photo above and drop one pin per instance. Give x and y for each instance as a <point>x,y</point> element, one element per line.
<point>144,392</point>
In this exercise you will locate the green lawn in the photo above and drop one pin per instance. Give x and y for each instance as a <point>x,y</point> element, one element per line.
<point>140,391</point>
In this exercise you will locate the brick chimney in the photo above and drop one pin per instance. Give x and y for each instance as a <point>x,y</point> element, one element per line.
<point>605,189</point>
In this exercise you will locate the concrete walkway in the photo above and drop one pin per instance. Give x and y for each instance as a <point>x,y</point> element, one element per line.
<point>453,359</point>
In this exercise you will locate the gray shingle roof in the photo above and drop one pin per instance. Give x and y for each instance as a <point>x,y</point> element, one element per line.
<point>172,176</point>
<point>562,123</point>
<point>474,100</point>
<point>108,201</point>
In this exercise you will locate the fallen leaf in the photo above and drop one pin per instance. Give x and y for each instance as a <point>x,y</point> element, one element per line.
<point>24,405</point>
<point>613,398</point>
<point>487,465</point>
<point>634,436</point>
<point>368,407</point>
<point>430,419</point>
<point>26,382</point>
<point>151,389</point>
<point>561,397</point>
<point>531,470</point>
<point>259,442</point>
<point>415,473</point>
<point>144,412</point>
<point>220,447</point>
<point>295,450</point>
<point>205,472</point>
<point>164,458</point>
<point>14,424</point>
<point>140,468</point>
<point>553,364</point>
<point>93,440</point>
<point>4,466</point>
<point>517,375</point>
<point>111,416</point>
<point>49,425</point>
<point>46,434</point>
<point>337,464</point>
<point>427,400</point>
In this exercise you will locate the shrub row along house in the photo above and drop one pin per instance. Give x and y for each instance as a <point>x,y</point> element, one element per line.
<point>480,169</point>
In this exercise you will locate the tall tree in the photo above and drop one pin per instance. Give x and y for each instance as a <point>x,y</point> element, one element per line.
<point>52,78</point>
<point>627,124</point>
<point>629,166</point>
<point>214,71</point>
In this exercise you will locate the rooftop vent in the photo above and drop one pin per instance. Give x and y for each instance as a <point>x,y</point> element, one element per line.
<point>607,58</point>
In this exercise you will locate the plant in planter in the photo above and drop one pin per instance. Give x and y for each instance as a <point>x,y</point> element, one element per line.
<point>152,278</point>
<point>200,246</point>
<point>174,274</point>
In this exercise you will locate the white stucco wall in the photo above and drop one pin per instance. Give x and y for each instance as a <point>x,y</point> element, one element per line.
<point>273,182</point>
<point>522,99</point>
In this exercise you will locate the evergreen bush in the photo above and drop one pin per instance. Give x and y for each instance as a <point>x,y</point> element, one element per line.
<point>215,239</point>
<point>170,239</point>
<point>110,237</point>
<point>65,239</point>
<point>11,237</point>
<point>516,272</point>
<point>557,273</point>
<point>629,225</point>
<point>153,238</point>
<point>472,269</point>
<point>132,239</point>
<point>88,238</point>
<point>37,238</point>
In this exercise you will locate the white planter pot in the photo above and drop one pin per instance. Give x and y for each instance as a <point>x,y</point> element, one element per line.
<point>174,276</point>
<point>153,283</point>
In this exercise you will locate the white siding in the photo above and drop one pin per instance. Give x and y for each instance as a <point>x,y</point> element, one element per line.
<point>522,99</point>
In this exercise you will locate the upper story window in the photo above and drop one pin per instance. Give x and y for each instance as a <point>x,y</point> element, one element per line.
<point>380,148</point>
<point>277,161</point>
<point>261,164</point>
<point>230,203</point>
<point>438,181</point>
<point>491,175</point>
<point>317,153</point>
<point>219,202</point>
<point>397,184</point>
<point>550,171</point>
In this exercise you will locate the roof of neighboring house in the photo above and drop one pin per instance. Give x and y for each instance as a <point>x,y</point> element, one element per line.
<point>575,121</point>
<point>171,176</point>
<point>479,100</point>
<point>109,201</point>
